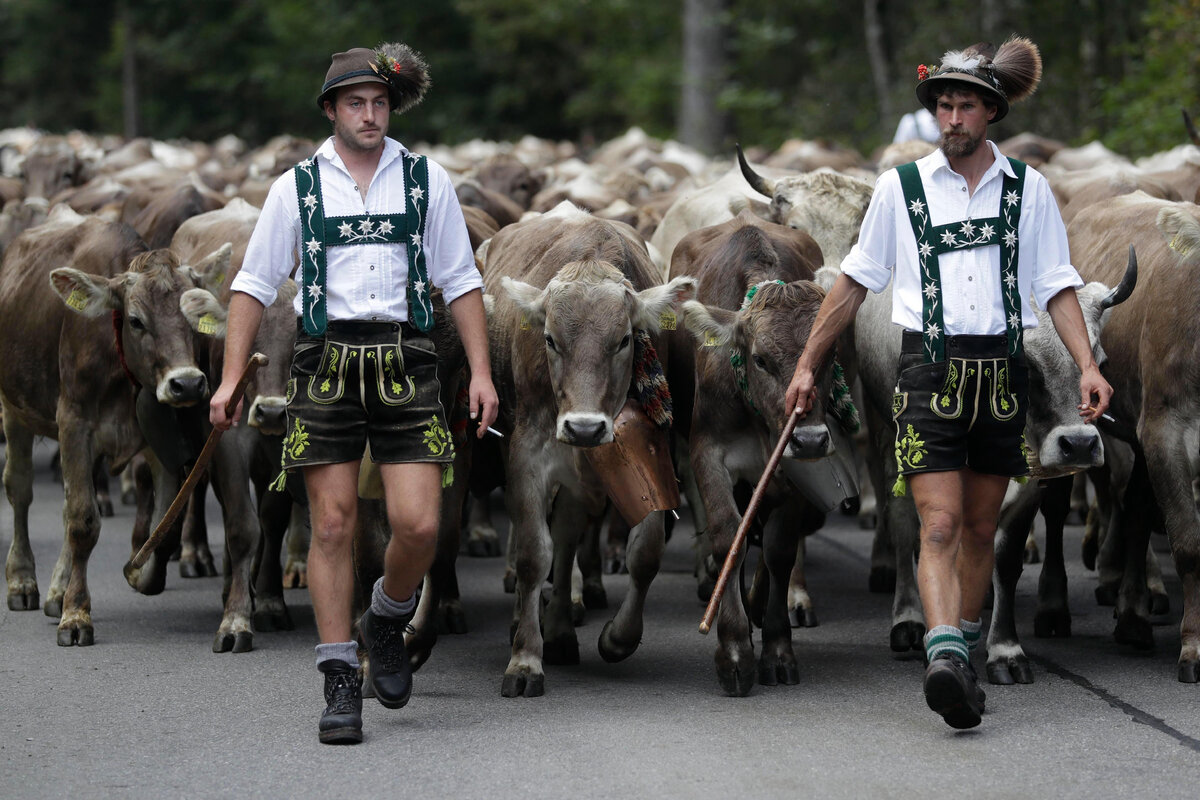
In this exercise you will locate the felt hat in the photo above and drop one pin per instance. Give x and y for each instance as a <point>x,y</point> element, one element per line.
<point>396,66</point>
<point>1002,76</point>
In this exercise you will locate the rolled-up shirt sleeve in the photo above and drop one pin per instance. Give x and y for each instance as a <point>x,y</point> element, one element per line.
<point>872,259</point>
<point>452,265</point>
<point>1053,270</point>
<point>271,253</point>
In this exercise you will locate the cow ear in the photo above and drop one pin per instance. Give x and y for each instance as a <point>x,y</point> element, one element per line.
<point>489,305</point>
<point>659,301</point>
<point>212,269</point>
<point>529,299</point>
<point>826,277</point>
<point>89,295</point>
<point>1179,229</point>
<point>204,312</point>
<point>710,326</point>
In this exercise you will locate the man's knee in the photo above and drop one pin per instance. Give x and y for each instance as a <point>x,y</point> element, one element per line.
<point>940,531</point>
<point>332,530</point>
<point>418,531</point>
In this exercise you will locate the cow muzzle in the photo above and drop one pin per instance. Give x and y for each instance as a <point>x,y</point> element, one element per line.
<point>585,430</point>
<point>1071,448</point>
<point>182,386</point>
<point>810,442</point>
<point>269,415</point>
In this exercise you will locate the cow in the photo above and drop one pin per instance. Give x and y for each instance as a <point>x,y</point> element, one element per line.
<point>164,211</point>
<point>570,294</point>
<point>1150,343</point>
<point>64,374</point>
<point>755,307</point>
<point>51,165</point>
<point>507,175</point>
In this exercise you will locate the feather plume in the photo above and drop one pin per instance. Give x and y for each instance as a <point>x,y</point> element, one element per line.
<point>406,72</point>
<point>1018,67</point>
<point>961,61</point>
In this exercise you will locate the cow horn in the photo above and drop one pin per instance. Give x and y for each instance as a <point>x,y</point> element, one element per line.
<point>757,182</point>
<point>1191,127</point>
<point>1121,293</point>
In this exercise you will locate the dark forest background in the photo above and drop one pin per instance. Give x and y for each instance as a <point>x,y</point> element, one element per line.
<point>706,72</point>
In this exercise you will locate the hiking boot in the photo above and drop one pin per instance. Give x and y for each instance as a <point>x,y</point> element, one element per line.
<point>952,691</point>
<point>389,671</point>
<point>341,723</point>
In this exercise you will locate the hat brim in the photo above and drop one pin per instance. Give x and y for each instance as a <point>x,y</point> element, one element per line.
<point>929,89</point>
<point>331,91</point>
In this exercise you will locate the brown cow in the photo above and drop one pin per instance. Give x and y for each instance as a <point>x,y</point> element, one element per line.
<point>576,290</point>
<point>510,177</point>
<point>62,375</point>
<point>159,213</point>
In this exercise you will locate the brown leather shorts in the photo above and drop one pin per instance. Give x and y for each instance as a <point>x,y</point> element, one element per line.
<point>966,411</point>
<point>365,382</point>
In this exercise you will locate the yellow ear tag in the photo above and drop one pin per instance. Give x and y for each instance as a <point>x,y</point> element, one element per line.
<point>710,340</point>
<point>77,300</point>
<point>667,320</point>
<point>524,322</point>
<point>207,324</point>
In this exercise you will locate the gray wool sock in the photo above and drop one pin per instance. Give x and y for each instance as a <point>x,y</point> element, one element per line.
<point>385,606</point>
<point>971,632</point>
<point>338,651</point>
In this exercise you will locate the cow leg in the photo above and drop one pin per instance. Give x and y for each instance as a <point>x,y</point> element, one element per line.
<point>781,542</point>
<point>908,616</point>
<point>1053,617</point>
<point>1077,515</point>
<point>232,486</point>
<point>58,582</point>
<point>703,568</point>
<point>295,570</point>
<point>19,569</point>
<point>567,522</point>
<point>1167,453</point>
<point>103,496</point>
<point>151,577</point>
<point>128,486</point>
<point>482,539</point>
<point>1133,598</point>
<point>623,633</point>
<point>531,552</point>
<point>1031,554</point>
<point>882,578</point>
<point>801,613</point>
<point>591,562</point>
<point>1160,602</point>
<point>274,515</point>
<point>616,543</point>
<point>195,557</point>
<point>81,521</point>
<point>1006,660</point>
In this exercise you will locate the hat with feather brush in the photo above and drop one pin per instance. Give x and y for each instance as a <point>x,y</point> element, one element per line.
<point>1001,75</point>
<point>395,65</point>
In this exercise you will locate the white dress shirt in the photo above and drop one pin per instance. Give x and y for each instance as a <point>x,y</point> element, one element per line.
<point>972,300</point>
<point>363,281</point>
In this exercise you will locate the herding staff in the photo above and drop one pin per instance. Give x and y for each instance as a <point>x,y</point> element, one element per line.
<point>257,360</point>
<point>739,538</point>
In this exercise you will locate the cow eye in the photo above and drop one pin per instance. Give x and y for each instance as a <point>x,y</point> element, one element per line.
<point>624,343</point>
<point>550,343</point>
<point>760,362</point>
<point>137,324</point>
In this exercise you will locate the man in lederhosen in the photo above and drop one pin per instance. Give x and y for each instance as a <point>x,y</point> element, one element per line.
<point>376,228</point>
<point>971,237</point>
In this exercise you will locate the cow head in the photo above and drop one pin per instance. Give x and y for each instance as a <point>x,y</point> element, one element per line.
<point>588,314</point>
<point>757,348</point>
<point>157,342</point>
<point>275,339</point>
<point>828,206</point>
<point>1060,442</point>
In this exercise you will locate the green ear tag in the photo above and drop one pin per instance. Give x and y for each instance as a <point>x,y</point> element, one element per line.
<point>207,324</point>
<point>524,322</point>
<point>77,300</point>
<point>710,340</point>
<point>667,320</point>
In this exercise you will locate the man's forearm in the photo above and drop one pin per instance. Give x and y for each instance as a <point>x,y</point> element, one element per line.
<point>1067,316</point>
<point>245,315</point>
<point>837,312</point>
<point>471,322</point>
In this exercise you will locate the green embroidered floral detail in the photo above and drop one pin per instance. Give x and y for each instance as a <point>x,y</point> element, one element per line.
<point>297,441</point>
<point>1002,391</point>
<point>910,450</point>
<point>330,371</point>
<point>951,385</point>
<point>437,438</point>
<point>389,369</point>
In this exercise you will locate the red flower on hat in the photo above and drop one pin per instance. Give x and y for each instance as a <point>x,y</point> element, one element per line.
<point>396,67</point>
<point>922,72</point>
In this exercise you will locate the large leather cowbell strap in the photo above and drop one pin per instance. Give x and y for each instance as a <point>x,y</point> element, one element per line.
<point>318,233</point>
<point>933,240</point>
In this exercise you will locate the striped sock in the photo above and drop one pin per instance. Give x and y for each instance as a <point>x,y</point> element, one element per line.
<point>971,632</point>
<point>943,639</point>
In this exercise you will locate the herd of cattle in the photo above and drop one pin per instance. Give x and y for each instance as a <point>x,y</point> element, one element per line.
<point>639,257</point>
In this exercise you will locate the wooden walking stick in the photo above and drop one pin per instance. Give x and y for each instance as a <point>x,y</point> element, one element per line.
<point>739,538</point>
<point>210,445</point>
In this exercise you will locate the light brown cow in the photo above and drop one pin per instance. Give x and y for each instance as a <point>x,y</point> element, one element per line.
<point>571,292</point>
<point>62,375</point>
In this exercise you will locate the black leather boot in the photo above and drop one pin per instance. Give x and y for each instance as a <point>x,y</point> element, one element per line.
<point>342,721</point>
<point>952,691</point>
<point>389,671</point>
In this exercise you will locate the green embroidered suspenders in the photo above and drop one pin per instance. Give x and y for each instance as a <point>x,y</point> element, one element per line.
<point>319,232</point>
<point>933,240</point>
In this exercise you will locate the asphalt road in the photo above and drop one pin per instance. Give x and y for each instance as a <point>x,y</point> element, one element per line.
<point>149,711</point>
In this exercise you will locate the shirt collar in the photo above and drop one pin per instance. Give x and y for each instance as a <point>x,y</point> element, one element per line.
<point>935,161</point>
<point>392,150</point>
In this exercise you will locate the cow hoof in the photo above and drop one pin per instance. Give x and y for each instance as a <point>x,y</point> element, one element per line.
<point>1049,624</point>
<point>1032,555</point>
<point>773,673</point>
<point>295,575</point>
<point>800,617</point>
<point>510,583</point>
<point>105,507</point>
<point>1189,671</point>
<point>1134,631</point>
<point>240,642</point>
<point>208,567</point>
<point>562,652</point>
<point>76,634</point>
<point>737,679</point>
<point>190,568</point>
<point>907,636</point>
<point>612,650</point>
<point>53,607</point>
<point>594,597</point>
<point>24,599</point>
<point>1106,595</point>
<point>272,617</point>
<point>1007,671</point>
<point>1160,605</point>
<point>882,580</point>
<point>578,612</point>
<point>523,684</point>
<point>452,620</point>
